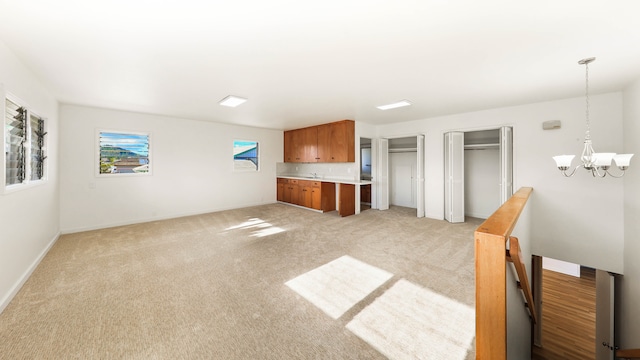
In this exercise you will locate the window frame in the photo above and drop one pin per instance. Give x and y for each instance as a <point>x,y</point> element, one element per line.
<point>233,157</point>
<point>27,182</point>
<point>98,158</point>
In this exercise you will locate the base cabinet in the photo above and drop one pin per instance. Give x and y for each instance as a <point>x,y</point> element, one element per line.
<point>316,195</point>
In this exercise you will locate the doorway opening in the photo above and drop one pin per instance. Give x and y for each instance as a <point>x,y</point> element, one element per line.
<point>403,163</point>
<point>478,172</point>
<point>366,169</point>
<point>400,174</point>
<point>577,311</point>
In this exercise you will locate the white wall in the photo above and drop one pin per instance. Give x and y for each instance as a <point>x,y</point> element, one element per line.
<point>481,182</point>
<point>577,219</point>
<point>630,284</point>
<point>28,217</point>
<point>192,169</point>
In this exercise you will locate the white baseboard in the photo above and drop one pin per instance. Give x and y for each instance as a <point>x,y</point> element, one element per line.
<point>9,296</point>
<point>477,215</point>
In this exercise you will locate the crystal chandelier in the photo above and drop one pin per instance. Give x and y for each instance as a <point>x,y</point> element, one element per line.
<point>597,163</point>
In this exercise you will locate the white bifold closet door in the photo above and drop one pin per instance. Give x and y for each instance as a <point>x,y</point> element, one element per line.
<point>420,175</point>
<point>383,174</point>
<point>454,176</point>
<point>506,163</point>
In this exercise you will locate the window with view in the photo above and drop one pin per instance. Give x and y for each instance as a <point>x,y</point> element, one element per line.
<point>245,155</point>
<point>123,153</point>
<point>24,145</point>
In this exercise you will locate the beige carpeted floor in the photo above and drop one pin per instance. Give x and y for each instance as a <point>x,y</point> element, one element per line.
<point>212,286</point>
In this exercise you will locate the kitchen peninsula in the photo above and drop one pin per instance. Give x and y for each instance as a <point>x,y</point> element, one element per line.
<point>320,194</point>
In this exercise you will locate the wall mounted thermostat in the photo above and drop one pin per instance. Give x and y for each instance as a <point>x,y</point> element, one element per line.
<point>551,125</point>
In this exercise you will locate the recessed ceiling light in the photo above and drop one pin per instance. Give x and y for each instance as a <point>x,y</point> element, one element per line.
<point>232,101</point>
<point>394,105</point>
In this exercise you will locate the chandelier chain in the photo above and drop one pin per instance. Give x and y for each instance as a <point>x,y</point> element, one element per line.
<point>588,133</point>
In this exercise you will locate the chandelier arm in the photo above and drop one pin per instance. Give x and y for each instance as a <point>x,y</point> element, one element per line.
<point>595,172</point>
<point>615,176</point>
<point>564,172</point>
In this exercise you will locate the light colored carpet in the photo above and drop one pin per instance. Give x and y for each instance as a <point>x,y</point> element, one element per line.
<point>212,286</point>
<point>338,285</point>
<point>409,322</point>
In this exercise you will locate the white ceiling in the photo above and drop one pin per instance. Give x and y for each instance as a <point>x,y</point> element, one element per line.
<point>304,63</point>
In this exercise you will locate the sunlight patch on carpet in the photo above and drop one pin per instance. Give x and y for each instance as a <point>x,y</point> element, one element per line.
<point>263,228</point>
<point>247,224</point>
<point>337,286</point>
<point>410,322</point>
<point>267,230</point>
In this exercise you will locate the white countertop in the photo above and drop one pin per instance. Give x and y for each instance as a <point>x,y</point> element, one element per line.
<point>331,180</point>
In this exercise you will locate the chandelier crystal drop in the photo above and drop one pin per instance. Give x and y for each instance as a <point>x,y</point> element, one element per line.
<point>596,163</point>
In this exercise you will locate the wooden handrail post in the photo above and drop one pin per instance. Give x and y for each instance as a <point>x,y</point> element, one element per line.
<point>491,270</point>
<point>491,297</point>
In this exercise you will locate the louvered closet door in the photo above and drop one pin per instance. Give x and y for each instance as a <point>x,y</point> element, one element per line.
<point>506,163</point>
<point>383,174</point>
<point>454,177</point>
<point>420,175</point>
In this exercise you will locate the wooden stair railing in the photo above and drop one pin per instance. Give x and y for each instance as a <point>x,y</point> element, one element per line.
<point>491,271</point>
<point>628,353</point>
<point>515,256</point>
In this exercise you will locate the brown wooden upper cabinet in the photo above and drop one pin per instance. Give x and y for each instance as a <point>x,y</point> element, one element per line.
<point>333,142</point>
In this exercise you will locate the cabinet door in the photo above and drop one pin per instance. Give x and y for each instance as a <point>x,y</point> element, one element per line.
<point>286,197</point>
<point>305,193</point>
<point>328,193</point>
<point>281,186</point>
<point>343,141</point>
<point>297,148</point>
<point>347,199</point>
<point>309,144</point>
<point>288,146</point>
<point>288,193</point>
<point>295,192</point>
<point>316,195</point>
<point>323,150</point>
